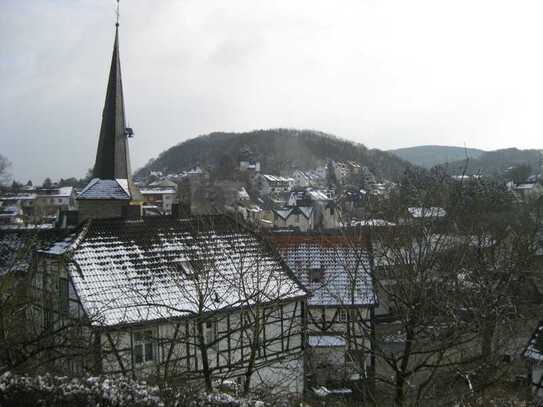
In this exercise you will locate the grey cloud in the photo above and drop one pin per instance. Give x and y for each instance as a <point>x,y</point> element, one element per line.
<point>386,73</point>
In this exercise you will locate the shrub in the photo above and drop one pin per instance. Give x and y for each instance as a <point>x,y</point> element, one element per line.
<point>103,391</point>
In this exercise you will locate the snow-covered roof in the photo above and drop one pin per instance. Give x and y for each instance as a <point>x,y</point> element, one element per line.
<point>135,271</point>
<point>276,178</point>
<point>325,341</point>
<point>18,244</point>
<point>526,186</point>
<point>345,267</point>
<point>154,191</point>
<point>432,212</point>
<point>62,192</point>
<point>285,213</point>
<point>318,195</point>
<point>534,349</point>
<point>165,183</point>
<point>106,189</point>
<point>372,222</point>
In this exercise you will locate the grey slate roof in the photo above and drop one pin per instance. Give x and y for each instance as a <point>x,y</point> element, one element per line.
<point>534,349</point>
<point>106,189</point>
<point>346,278</point>
<point>112,160</point>
<point>286,212</point>
<point>18,245</point>
<point>134,271</point>
<point>112,155</point>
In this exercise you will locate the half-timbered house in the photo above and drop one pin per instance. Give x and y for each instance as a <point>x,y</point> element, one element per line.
<point>174,298</point>
<point>335,268</point>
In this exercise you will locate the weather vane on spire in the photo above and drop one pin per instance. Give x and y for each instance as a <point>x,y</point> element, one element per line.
<point>118,14</point>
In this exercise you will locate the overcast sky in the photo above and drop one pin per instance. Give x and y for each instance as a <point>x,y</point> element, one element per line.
<point>386,73</point>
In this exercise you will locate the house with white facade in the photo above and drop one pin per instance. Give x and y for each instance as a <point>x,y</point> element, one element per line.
<point>161,197</point>
<point>308,209</point>
<point>42,205</point>
<point>273,184</point>
<point>249,166</point>
<point>299,217</point>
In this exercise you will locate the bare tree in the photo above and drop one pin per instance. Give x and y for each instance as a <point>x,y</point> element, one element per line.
<point>450,278</point>
<point>37,332</point>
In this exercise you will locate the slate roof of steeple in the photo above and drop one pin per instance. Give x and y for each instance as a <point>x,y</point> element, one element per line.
<point>112,155</point>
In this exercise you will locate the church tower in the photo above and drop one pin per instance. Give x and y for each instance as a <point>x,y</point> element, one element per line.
<point>112,193</point>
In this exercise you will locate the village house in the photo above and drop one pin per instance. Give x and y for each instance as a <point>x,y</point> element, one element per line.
<point>272,184</point>
<point>299,217</point>
<point>305,179</point>
<point>529,190</point>
<point>160,197</point>
<point>335,268</point>
<point>251,166</point>
<point>174,297</point>
<point>164,298</point>
<point>308,209</point>
<point>42,205</point>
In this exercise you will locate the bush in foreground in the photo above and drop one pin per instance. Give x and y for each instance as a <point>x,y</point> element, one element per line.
<point>47,390</point>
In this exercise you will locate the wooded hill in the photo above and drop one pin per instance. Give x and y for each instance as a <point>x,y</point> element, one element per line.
<point>430,156</point>
<point>278,150</point>
<point>497,163</point>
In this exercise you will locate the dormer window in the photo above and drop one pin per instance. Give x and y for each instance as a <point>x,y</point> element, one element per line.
<point>193,269</point>
<point>316,275</point>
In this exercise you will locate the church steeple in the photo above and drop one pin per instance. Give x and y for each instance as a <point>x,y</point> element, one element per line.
<point>112,155</point>
<point>112,183</point>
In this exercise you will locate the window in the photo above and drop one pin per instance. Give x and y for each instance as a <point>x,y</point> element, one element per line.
<point>144,346</point>
<point>211,333</point>
<point>342,315</point>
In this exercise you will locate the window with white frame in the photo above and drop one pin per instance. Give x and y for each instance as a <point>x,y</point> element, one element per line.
<point>343,315</point>
<point>144,346</point>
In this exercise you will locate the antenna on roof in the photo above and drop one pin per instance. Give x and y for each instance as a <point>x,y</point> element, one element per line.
<point>118,14</point>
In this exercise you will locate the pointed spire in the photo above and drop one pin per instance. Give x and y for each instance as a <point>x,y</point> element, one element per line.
<point>112,158</point>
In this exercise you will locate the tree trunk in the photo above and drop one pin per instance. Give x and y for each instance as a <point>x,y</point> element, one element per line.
<point>203,353</point>
<point>399,395</point>
<point>254,350</point>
